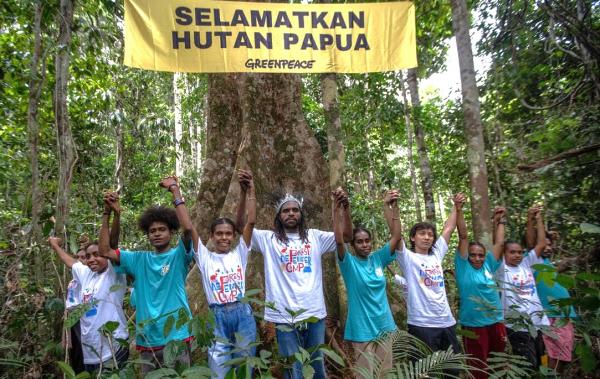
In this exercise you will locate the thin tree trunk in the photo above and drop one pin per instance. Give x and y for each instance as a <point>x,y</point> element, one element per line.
<point>120,147</point>
<point>36,80</point>
<point>192,131</point>
<point>409,139</point>
<point>201,129</point>
<point>334,129</point>
<point>335,147</point>
<point>583,12</point>
<point>424,167</point>
<point>67,154</point>
<point>478,176</point>
<point>179,155</point>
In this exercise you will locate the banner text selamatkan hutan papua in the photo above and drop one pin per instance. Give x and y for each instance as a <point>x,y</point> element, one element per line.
<point>212,17</point>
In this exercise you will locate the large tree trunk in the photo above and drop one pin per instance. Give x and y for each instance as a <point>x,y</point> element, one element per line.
<point>335,149</point>
<point>36,80</point>
<point>409,139</point>
<point>67,154</point>
<point>473,127</point>
<point>255,121</point>
<point>424,167</point>
<point>223,137</point>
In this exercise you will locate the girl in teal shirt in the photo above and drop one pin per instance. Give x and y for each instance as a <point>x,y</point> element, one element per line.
<point>480,308</point>
<point>369,315</point>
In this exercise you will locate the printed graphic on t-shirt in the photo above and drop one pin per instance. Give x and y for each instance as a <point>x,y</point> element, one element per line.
<point>71,291</point>
<point>523,283</point>
<point>88,297</point>
<point>431,275</point>
<point>227,286</point>
<point>293,259</point>
<point>164,270</point>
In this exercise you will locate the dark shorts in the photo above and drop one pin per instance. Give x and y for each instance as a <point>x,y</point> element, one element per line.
<point>76,352</point>
<point>525,345</point>
<point>436,338</point>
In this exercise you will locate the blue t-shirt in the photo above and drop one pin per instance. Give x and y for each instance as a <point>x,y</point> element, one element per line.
<point>549,293</point>
<point>159,285</point>
<point>479,298</point>
<point>369,313</point>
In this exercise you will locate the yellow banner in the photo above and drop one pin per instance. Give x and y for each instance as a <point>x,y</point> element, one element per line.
<point>231,36</point>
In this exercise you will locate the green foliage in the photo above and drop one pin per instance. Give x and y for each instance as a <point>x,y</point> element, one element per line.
<point>502,365</point>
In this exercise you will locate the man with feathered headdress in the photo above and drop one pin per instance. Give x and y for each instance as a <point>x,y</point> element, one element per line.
<point>294,281</point>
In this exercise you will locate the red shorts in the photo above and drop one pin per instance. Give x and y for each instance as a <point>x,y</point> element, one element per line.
<point>560,345</point>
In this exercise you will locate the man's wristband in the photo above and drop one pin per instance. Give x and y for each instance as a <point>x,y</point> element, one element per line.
<point>178,202</point>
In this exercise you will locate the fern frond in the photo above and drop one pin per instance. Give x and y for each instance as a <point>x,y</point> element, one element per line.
<point>439,363</point>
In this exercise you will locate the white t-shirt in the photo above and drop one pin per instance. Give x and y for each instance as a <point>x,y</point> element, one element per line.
<point>108,306</point>
<point>293,273</point>
<point>223,275</point>
<point>519,292</point>
<point>427,301</point>
<point>73,291</point>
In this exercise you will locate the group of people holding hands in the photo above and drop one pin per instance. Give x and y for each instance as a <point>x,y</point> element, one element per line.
<point>499,299</point>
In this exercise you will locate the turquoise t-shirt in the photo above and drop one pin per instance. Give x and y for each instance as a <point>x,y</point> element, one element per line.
<point>369,313</point>
<point>159,285</point>
<point>549,293</point>
<point>479,298</point>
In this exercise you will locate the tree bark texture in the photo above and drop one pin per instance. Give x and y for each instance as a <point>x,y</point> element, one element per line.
<point>255,121</point>
<point>424,167</point>
<point>36,80</point>
<point>409,140</point>
<point>334,129</point>
<point>67,154</point>
<point>335,148</point>
<point>473,127</point>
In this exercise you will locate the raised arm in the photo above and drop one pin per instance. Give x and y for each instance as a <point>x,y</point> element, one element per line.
<point>499,221</point>
<point>461,225</point>
<point>104,248</point>
<point>338,227</point>
<point>530,238</point>
<point>189,233</point>
<point>249,196</point>
<point>392,217</point>
<point>540,231</point>
<point>56,245</point>
<point>111,203</point>
<point>341,197</point>
<point>450,223</point>
<point>240,216</point>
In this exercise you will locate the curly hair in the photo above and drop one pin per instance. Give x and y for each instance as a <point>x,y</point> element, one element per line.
<point>84,242</point>
<point>158,213</point>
